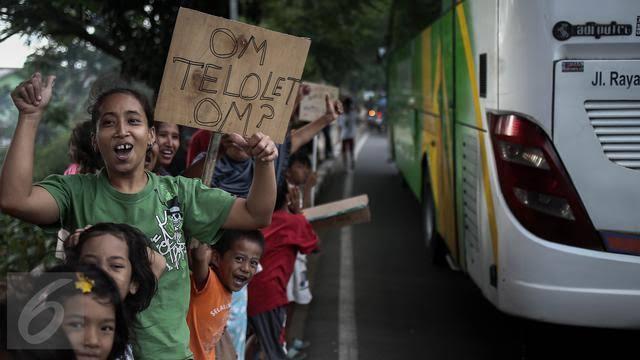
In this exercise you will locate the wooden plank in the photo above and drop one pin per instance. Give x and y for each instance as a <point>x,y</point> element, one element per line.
<point>226,76</point>
<point>313,105</point>
<point>344,212</point>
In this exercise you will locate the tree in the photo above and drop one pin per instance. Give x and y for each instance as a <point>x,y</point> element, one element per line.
<point>344,37</point>
<point>409,17</point>
<point>137,33</point>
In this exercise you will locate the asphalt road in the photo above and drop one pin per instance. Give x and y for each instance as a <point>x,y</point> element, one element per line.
<point>376,296</point>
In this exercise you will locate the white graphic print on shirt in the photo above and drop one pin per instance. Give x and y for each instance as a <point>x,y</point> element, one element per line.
<point>170,243</point>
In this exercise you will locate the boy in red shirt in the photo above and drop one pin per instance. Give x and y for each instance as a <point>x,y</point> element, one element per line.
<point>287,235</point>
<point>217,271</point>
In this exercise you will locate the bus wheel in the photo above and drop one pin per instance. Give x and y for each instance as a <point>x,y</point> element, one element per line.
<point>435,246</point>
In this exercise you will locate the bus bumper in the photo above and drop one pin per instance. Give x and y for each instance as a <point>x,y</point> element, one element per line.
<point>555,283</point>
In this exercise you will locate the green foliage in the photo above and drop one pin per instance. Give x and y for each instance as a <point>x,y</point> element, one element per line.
<point>76,64</point>
<point>8,113</point>
<point>344,37</point>
<point>23,246</point>
<point>52,158</point>
<point>409,17</point>
<point>56,116</point>
<point>137,33</point>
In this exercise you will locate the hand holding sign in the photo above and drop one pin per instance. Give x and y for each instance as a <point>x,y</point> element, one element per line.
<point>258,146</point>
<point>261,147</point>
<point>333,109</point>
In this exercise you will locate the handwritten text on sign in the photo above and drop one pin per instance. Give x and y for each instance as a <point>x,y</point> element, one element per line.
<point>226,76</point>
<point>314,104</point>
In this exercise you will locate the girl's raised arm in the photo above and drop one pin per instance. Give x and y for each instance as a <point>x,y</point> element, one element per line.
<point>18,197</point>
<point>255,212</point>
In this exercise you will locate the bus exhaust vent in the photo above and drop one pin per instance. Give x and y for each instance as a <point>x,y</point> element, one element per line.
<point>617,126</point>
<point>470,171</point>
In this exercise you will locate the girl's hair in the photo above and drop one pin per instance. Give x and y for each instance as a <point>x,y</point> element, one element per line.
<point>94,110</point>
<point>300,157</point>
<point>141,272</point>
<point>231,236</point>
<point>97,284</point>
<point>157,124</point>
<point>347,103</point>
<point>281,197</point>
<point>89,160</point>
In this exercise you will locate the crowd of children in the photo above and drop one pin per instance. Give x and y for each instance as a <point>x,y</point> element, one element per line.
<point>159,266</point>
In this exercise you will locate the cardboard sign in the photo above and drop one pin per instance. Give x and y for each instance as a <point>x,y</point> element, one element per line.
<point>344,212</point>
<point>313,105</point>
<point>226,76</point>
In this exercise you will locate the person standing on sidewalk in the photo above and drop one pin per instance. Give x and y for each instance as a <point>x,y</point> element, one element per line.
<point>287,235</point>
<point>347,123</point>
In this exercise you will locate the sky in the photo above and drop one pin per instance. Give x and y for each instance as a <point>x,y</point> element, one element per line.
<point>13,52</point>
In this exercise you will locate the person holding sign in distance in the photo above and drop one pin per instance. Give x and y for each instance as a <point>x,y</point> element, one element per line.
<point>162,207</point>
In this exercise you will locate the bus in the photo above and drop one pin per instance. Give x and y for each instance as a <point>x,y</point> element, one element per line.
<point>516,123</point>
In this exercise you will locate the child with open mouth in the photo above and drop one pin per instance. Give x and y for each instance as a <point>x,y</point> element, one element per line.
<point>217,271</point>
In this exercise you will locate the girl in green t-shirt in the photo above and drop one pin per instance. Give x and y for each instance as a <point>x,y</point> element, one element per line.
<point>160,206</point>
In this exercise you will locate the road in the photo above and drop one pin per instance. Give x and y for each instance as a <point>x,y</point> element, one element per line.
<point>376,296</point>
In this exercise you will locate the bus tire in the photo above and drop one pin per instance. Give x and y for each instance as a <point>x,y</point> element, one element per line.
<point>436,249</point>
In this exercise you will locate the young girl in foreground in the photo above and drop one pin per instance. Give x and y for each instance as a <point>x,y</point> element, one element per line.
<point>123,252</point>
<point>93,319</point>
<point>162,207</point>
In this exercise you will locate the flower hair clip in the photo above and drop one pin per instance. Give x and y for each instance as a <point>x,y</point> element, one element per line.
<point>83,283</point>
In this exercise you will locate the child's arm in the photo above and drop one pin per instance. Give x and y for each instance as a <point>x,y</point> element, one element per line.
<point>303,135</point>
<point>18,197</point>
<point>294,200</point>
<point>255,212</point>
<point>224,348</point>
<point>158,263</point>
<point>307,238</point>
<point>201,256</point>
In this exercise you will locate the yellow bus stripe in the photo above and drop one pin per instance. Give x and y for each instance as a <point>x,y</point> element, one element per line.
<point>447,174</point>
<point>488,194</point>
<point>436,86</point>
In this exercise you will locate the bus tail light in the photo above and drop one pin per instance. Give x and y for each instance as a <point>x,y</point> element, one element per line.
<point>536,185</point>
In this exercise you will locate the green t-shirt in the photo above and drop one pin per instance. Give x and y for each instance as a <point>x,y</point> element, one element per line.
<point>164,210</point>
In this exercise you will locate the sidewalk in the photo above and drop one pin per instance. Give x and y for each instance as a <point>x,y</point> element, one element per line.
<point>300,313</point>
<point>325,169</point>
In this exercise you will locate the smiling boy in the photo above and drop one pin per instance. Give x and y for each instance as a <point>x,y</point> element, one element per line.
<point>217,271</point>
